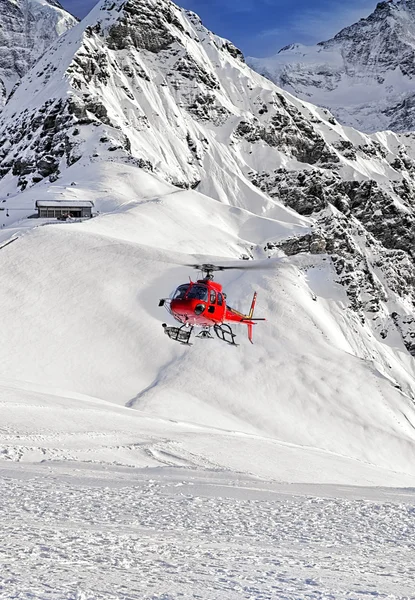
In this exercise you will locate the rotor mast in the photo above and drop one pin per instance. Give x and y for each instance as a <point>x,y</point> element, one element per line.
<point>208,270</point>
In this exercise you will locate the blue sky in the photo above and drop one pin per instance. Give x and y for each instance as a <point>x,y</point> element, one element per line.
<point>262,27</point>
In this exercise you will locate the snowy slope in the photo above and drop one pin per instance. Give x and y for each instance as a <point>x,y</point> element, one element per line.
<point>28,28</point>
<point>71,328</point>
<point>364,75</point>
<point>135,467</point>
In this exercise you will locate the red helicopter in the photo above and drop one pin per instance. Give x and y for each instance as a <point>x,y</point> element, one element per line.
<point>202,303</point>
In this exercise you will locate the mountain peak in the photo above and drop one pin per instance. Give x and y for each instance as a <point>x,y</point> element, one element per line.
<point>382,6</point>
<point>364,74</point>
<point>28,28</point>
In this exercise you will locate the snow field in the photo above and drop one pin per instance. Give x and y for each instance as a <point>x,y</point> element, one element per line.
<point>40,424</point>
<point>114,534</point>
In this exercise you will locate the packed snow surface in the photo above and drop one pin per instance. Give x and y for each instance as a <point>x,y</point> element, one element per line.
<point>96,533</point>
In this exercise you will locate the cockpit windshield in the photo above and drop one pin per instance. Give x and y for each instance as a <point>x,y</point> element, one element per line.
<point>196,292</point>
<point>180,293</point>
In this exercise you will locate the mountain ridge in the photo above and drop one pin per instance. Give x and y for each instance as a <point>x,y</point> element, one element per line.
<point>28,29</point>
<point>363,74</point>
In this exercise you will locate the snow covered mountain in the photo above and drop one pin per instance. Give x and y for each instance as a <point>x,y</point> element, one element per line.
<point>28,27</point>
<point>189,154</point>
<point>132,466</point>
<point>364,75</point>
<point>135,467</point>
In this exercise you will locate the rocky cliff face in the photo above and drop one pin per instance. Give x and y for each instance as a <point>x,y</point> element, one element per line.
<point>143,82</point>
<point>28,27</point>
<point>364,75</point>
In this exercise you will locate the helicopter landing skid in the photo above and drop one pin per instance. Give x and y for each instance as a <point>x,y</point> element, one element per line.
<point>179,334</point>
<point>225,334</point>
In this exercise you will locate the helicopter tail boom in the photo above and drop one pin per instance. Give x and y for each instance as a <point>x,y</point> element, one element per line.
<point>251,312</point>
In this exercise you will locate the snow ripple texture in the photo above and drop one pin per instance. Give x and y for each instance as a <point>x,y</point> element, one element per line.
<point>165,538</point>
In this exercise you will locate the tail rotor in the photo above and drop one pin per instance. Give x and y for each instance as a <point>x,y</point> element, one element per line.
<point>249,319</point>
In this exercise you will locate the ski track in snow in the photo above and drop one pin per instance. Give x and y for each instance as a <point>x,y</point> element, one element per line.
<point>158,534</point>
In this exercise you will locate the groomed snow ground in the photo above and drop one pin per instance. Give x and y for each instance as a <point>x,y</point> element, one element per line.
<point>89,533</point>
<point>134,467</point>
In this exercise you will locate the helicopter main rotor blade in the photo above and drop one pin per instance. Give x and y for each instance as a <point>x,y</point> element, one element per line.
<point>245,266</point>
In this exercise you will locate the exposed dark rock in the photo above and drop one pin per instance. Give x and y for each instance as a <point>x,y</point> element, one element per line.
<point>47,165</point>
<point>189,69</point>
<point>309,192</point>
<point>22,167</point>
<point>90,67</point>
<point>290,132</point>
<point>206,108</point>
<point>143,27</point>
<point>233,51</point>
<point>314,243</point>
<point>97,108</point>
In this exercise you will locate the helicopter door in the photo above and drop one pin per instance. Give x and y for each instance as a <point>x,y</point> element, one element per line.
<point>212,300</point>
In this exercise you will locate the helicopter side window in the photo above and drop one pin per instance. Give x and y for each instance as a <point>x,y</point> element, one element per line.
<point>220,299</point>
<point>180,293</point>
<point>198,292</point>
<point>212,296</point>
